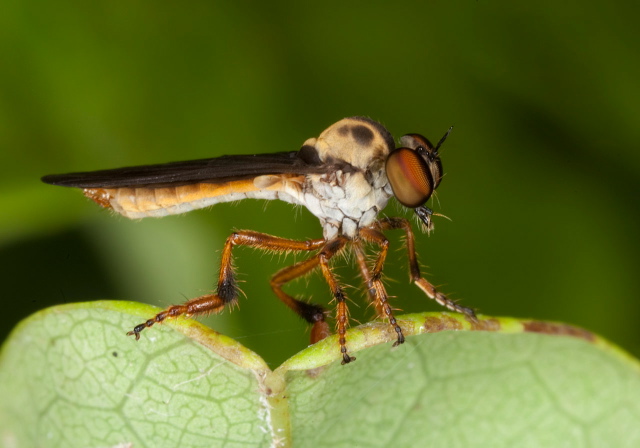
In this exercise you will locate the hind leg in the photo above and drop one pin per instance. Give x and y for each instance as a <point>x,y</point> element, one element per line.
<point>227,292</point>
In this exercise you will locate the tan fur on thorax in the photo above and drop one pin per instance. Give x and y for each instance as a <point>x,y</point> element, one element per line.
<point>339,142</point>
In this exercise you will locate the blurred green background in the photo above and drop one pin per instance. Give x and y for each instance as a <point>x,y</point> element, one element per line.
<point>543,166</point>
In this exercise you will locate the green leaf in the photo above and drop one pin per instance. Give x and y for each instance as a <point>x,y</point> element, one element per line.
<point>69,377</point>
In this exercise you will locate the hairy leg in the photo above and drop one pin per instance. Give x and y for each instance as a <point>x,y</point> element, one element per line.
<point>312,313</point>
<point>414,268</point>
<point>342,312</point>
<point>227,292</point>
<point>374,279</point>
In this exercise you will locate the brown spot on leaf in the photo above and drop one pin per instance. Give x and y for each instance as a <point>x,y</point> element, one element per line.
<point>434,324</point>
<point>557,329</point>
<point>486,325</point>
<point>314,373</point>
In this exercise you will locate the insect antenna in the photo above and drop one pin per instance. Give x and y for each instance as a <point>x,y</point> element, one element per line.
<point>444,137</point>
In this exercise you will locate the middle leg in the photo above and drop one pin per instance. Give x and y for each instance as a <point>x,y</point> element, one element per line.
<point>373,278</point>
<point>312,313</point>
<point>342,313</point>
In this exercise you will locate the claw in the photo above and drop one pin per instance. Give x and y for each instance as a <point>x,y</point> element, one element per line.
<point>346,359</point>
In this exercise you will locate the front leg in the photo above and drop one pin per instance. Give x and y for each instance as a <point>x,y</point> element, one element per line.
<point>227,292</point>
<point>414,268</point>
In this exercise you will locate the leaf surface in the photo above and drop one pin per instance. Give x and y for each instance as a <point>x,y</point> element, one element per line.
<point>69,377</point>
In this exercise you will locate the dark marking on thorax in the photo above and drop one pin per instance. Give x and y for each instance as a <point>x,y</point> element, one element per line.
<point>386,135</point>
<point>309,154</point>
<point>362,135</point>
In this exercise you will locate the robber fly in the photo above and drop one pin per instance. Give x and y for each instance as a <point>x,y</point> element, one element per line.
<point>345,177</point>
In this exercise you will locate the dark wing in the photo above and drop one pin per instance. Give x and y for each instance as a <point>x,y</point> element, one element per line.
<point>219,169</point>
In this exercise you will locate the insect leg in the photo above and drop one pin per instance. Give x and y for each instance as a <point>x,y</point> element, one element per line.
<point>312,313</point>
<point>374,282</point>
<point>342,312</point>
<point>361,258</point>
<point>414,268</point>
<point>227,291</point>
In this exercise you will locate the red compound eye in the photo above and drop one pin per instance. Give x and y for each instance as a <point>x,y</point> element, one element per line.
<point>410,178</point>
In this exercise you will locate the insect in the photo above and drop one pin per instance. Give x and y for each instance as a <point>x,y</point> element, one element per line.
<point>345,177</point>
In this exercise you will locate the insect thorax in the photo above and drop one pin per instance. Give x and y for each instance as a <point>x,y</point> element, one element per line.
<point>346,201</point>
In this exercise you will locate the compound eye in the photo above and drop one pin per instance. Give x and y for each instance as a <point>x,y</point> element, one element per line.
<point>423,146</point>
<point>409,176</point>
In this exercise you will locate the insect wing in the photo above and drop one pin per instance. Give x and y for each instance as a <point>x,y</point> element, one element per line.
<point>216,170</point>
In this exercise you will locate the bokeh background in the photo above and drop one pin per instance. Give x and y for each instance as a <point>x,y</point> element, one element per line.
<point>543,165</point>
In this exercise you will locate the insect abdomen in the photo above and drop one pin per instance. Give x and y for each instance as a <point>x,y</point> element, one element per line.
<point>143,202</point>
